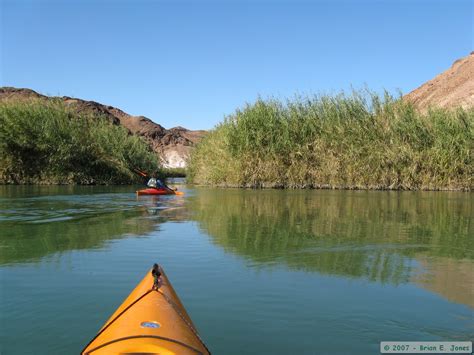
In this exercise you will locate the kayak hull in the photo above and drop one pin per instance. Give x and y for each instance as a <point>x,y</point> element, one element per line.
<point>153,191</point>
<point>150,320</point>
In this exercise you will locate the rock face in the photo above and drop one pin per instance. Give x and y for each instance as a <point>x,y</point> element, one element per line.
<point>452,88</point>
<point>172,145</point>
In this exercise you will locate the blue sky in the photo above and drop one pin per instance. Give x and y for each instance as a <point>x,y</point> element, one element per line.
<point>189,63</point>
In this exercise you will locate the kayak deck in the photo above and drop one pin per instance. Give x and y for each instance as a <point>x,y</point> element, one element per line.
<point>151,320</point>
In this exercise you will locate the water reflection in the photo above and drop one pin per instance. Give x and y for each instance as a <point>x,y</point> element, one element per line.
<point>384,237</point>
<point>165,208</point>
<point>452,279</point>
<point>387,237</point>
<point>36,222</point>
<point>397,264</point>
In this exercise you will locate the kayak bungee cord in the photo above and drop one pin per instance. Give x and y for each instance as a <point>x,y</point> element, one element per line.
<point>145,336</point>
<point>156,272</point>
<point>190,326</point>
<point>113,320</point>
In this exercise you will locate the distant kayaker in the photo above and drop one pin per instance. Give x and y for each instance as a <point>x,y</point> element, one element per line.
<point>157,184</point>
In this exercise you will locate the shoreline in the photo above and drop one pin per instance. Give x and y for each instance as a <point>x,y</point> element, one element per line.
<point>263,187</point>
<point>340,188</point>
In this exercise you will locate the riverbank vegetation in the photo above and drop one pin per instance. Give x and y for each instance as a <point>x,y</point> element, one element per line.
<point>48,143</point>
<point>357,141</point>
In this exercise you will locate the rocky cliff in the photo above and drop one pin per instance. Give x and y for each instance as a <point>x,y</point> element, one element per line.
<point>450,89</point>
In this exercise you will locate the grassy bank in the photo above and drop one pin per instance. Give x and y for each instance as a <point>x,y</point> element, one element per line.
<point>361,141</point>
<point>46,142</point>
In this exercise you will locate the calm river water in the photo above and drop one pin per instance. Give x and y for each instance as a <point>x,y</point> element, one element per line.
<point>260,272</point>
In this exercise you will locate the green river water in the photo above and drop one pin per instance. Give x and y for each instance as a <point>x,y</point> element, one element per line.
<point>259,271</point>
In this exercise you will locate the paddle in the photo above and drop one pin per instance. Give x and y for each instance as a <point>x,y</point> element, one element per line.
<point>141,173</point>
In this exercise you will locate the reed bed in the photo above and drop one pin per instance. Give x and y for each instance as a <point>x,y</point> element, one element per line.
<point>356,141</point>
<point>48,143</point>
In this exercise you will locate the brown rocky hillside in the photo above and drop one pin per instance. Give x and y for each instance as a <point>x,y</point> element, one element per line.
<point>173,145</point>
<point>450,89</point>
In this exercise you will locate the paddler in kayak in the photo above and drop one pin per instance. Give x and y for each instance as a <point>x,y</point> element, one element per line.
<point>158,184</point>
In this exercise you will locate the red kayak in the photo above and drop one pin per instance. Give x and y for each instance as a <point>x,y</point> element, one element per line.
<point>153,191</point>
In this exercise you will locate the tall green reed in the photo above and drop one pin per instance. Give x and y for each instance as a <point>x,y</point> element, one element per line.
<point>48,142</point>
<point>359,141</point>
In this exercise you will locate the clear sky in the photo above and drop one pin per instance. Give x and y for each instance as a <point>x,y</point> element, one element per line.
<point>189,63</point>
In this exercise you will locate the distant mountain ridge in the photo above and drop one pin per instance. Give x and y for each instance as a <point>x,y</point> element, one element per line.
<point>450,89</point>
<point>173,145</point>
